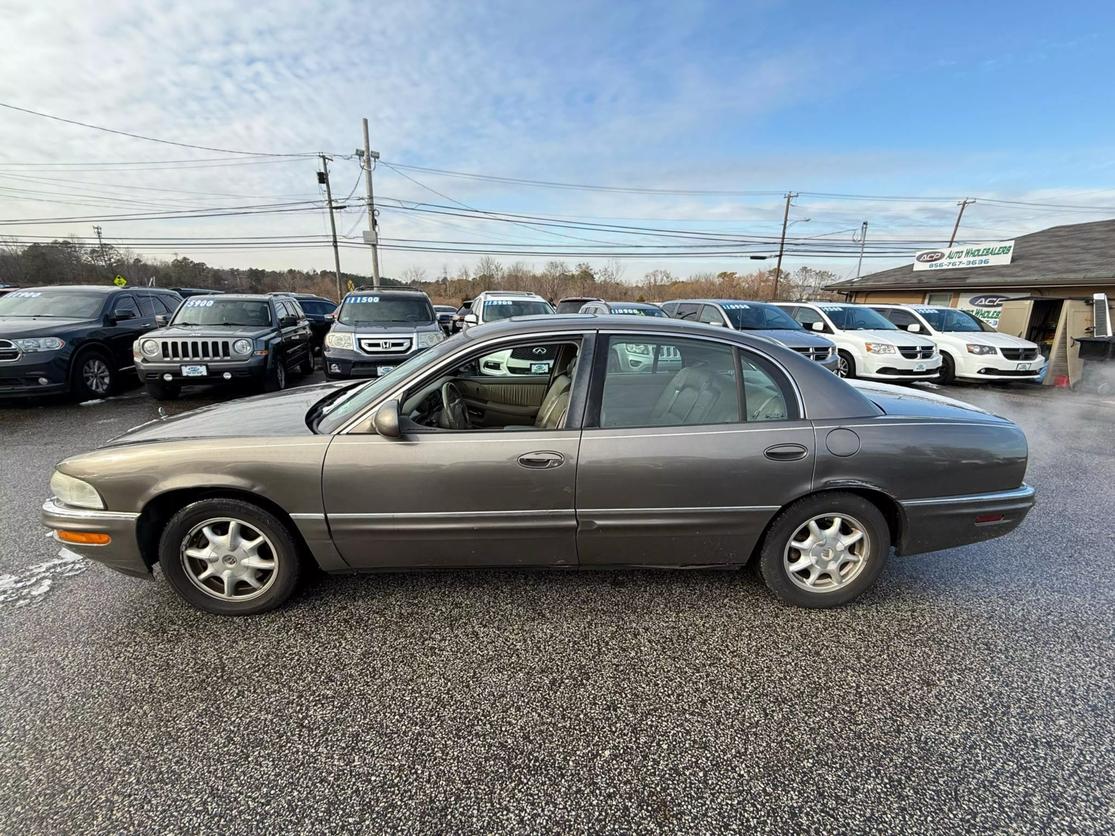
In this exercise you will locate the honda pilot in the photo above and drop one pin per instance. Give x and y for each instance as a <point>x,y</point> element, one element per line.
<point>376,330</point>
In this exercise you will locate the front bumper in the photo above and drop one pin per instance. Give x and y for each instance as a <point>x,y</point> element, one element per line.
<point>122,554</point>
<point>897,367</point>
<point>930,525</point>
<point>343,363</point>
<point>998,367</point>
<point>39,373</point>
<point>252,368</point>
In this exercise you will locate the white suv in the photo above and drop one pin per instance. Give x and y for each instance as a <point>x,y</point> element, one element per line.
<point>868,345</point>
<point>492,305</point>
<point>970,349</point>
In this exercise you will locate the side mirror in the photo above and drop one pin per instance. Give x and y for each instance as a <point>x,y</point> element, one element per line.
<point>914,327</point>
<point>471,319</point>
<point>161,320</point>
<point>120,316</point>
<point>386,420</point>
<point>818,326</point>
<point>330,317</point>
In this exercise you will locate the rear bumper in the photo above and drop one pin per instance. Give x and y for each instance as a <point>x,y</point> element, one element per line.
<point>948,521</point>
<point>122,554</point>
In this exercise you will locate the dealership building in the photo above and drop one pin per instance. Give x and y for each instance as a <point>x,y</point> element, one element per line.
<point>1062,262</point>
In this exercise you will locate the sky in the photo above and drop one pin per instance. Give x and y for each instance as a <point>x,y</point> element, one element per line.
<point>874,111</point>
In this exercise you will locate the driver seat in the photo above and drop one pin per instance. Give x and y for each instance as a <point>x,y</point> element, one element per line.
<point>551,415</point>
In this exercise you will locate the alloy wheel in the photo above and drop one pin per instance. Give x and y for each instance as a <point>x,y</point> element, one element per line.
<point>841,366</point>
<point>96,376</point>
<point>827,553</point>
<point>229,559</point>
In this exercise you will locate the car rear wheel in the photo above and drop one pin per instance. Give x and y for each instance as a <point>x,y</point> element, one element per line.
<point>307,365</point>
<point>229,557</point>
<point>92,376</point>
<point>275,379</point>
<point>845,364</point>
<point>824,550</point>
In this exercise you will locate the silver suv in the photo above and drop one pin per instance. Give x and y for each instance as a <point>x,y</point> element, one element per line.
<point>375,330</point>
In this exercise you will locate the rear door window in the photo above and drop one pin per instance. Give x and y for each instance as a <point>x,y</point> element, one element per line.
<point>688,310</point>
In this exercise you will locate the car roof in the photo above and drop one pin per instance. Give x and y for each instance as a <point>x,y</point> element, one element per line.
<point>727,302</point>
<point>243,297</point>
<point>390,291</point>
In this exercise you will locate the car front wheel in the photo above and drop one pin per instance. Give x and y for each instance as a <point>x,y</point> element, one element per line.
<point>845,364</point>
<point>229,557</point>
<point>824,550</point>
<point>93,376</point>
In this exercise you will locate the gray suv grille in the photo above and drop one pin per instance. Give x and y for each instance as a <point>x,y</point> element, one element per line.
<point>820,353</point>
<point>8,351</point>
<point>385,345</point>
<point>197,349</point>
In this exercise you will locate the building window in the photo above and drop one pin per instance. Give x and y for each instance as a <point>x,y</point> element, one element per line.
<point>939,298</point>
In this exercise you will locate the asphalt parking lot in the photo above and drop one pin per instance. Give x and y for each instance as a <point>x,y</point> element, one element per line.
<point>970,690</point>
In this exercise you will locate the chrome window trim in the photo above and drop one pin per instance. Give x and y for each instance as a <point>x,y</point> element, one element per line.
<point>649,333</point>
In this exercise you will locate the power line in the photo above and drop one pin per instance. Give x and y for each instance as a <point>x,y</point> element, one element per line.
<point>146,138</point>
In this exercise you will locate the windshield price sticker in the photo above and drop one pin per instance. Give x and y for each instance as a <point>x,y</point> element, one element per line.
<point>199,303</point>
<point>635,311</point>
<point>835,308</point>
<point>26,294</point>
<point>360,300</point>
<point>925,310</point>
<point>492,302</point>
<point>737,306</point>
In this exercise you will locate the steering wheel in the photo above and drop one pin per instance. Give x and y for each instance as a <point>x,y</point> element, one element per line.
<point>453,416</point>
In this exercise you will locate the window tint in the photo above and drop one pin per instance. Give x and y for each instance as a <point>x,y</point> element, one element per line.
<point>748,316</point>
<point>899,317</point>
<point>318,308</point>
<point>164,304</point>
<point>125,303</point>
<point>688,311</point>
<point>765,396</point>
<point>711,315</point>
<point>147,306</point>
<point>807,316</point>
<point>670,308</point>
<point>668,383</point>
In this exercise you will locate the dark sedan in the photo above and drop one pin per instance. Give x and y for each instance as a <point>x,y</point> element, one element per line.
<point>719,449</point>
<point>74,338</point>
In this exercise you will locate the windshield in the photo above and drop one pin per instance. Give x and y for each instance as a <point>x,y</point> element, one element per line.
<point>203,310</point>
<point>630,309</point>
<point>952,321</point>
<point>340,411</point>
<point>373,310</point>
<point>52,303</point>
<point>571,305</point>
<point>505,308</point>
<point>852,318</point>
<point>751,316</point>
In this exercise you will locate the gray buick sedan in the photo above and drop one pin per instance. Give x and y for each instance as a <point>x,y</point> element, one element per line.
<point>632,442</point>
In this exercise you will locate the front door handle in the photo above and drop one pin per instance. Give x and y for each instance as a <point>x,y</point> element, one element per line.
<point>541,460</point>
<point>786,452</point>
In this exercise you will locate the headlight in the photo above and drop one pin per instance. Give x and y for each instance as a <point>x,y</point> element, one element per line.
<point>976,348</point>
<point>74,492</point>
<point>341,339</point>
<point>432,338</point>
<point>242,347</point>
<point>149,348</point>
<point>879,348</point>
<point>40,344</point>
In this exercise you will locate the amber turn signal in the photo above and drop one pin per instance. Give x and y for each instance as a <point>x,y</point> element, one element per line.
<point>85,538</point>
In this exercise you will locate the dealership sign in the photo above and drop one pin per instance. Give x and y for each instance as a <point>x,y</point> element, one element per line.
<point>986,306</point>
<point>970,255</point>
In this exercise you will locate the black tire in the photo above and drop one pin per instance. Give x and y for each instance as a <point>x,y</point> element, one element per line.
<point>275,380</point>
<point>774,563</point>
<point>847,362</point>
<point>183,572</point>
<point>948,369</point>
<point>162,391</point>
<point>92,375</point>
<point>306,367</point>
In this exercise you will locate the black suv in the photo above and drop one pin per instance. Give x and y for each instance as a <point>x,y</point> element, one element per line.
<point>319,311</point>
<point>233,338</point>
<point>74,338</point>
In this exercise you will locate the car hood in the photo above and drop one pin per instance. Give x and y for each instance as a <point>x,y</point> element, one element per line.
<point>791,337</point>
<point>389,327</point>
<point>908,402</point>
<point>893,337</point>
<point>988,338</point>
<point>223,332</point>
<point>23,326</point>
<point>278,414</point>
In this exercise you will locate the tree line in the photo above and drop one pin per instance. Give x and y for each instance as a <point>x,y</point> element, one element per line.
<point>71,262</point>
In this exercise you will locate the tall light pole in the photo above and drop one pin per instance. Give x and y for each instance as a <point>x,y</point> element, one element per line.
<point>862,241</point>
<point>372,235</point>
<point>323,178</point>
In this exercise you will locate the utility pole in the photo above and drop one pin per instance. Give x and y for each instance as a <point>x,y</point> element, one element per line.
<point>323,178</point>
<point>862,241</point>
<point>956,226</point>
<point>101,245</point>
<point>372,235</point>
<point>782,243</point>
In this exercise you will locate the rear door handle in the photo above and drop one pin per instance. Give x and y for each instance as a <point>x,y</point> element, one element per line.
<point>786,452</point>
<point>541,460</point>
